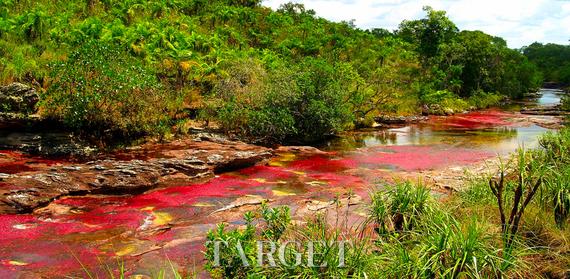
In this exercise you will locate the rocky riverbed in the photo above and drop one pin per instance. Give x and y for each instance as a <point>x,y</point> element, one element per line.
<point>151,205</point>
<point>150,166</point>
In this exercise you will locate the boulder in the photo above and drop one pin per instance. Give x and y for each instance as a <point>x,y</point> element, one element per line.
<point>436,109</point>
<point>17,97</point>
<point>300,150</point>
<point>545,110</point>
<point>18,105</point>
<point>47,144</point>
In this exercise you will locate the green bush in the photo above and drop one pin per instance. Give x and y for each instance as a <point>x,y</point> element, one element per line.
<point>103,90</point>
<point>297,104</point>
<point>441,100</point>
<point>482,100</point>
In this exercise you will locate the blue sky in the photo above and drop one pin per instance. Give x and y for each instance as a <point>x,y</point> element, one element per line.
<point>520,22</point>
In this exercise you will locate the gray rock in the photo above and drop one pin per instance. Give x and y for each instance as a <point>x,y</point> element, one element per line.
<point>17,97</point>
<point>399,119</point>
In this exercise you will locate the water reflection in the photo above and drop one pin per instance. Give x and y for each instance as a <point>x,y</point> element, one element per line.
<point>498,140</point>
<point>492,131</point>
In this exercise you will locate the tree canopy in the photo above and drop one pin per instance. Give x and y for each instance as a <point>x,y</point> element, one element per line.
<point>552,59</point>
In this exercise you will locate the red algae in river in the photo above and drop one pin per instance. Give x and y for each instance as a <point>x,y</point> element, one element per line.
<point>12,162</point>
<point>413,158</point>
<point>320,163</point>
<point>266,172</point>
<point>473,120</point>
<point>91,219</point>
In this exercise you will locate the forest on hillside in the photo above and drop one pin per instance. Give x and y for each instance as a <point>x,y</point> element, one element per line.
<point>152,67</point>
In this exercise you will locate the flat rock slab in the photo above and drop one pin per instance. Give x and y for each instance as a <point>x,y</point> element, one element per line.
<point>128,172</point>
<point>384,119</point>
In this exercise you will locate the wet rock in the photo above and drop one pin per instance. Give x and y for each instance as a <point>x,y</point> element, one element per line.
<point>399,119</point>
<point>49,144</point>
<point>546,110</point>
<point>186,158</point>
<point>217,138</point>
<point>546,121</point>
<point>242,201</point>
<point>300,150</point>
<point>22,129</point>
<point>239,160</point>
<point>12,119</point>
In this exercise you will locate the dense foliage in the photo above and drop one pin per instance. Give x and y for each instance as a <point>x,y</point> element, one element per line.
<point>552,59</point>
<point>101,86</point>
<point>467,62</point>
<point>284,75</point>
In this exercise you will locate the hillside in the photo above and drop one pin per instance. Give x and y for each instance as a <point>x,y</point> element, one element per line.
<point>132,68</point>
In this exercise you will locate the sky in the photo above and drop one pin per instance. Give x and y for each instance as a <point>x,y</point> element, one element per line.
<point>520,22</point>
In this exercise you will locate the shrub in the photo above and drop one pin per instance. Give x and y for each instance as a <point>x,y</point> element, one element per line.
<point>482,100</point>
<point>300,103</point>
<point>102,89</point>
<point>437,96</point>
<point>440,100</point>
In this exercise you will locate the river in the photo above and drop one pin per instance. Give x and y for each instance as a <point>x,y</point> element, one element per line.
<point>152,230</point>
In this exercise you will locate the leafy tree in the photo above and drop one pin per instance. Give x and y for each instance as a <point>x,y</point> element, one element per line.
<point>428,34</point>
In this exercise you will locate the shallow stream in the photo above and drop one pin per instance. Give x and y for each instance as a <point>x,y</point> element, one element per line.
<point>147,231</point>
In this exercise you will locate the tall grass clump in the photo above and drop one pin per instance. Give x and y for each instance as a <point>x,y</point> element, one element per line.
<point>400,207</point>
<point>240,258</point>
<point>556,195</point>
<point>432,242</point>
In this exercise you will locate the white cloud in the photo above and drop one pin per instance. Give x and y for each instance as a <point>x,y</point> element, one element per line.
<point>520,22</point>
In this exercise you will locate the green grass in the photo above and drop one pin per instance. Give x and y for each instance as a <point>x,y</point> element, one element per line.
<point>409,234</point>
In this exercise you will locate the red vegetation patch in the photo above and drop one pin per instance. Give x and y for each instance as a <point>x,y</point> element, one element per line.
<point>412,158</point>
<point>334,179</point>
<point>14,227</point>
<point>323,164</point>
<point>267,172</point>
<point>12,162</point>
<point>473,120</point>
